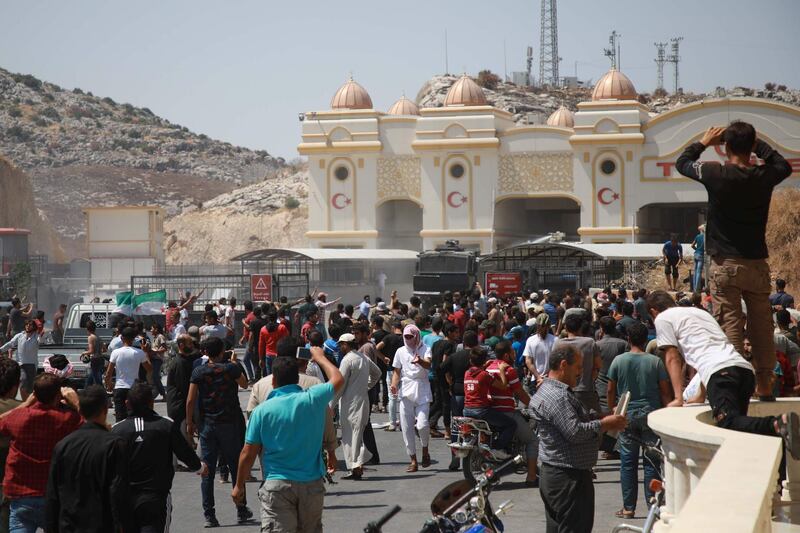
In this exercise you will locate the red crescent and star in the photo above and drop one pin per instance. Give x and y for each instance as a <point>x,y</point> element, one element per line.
<point>455,199</point>
<point>603,197</point>
<point>340,201</point>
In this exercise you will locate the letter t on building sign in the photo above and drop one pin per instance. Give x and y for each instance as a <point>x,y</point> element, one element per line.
<point>261,287</point>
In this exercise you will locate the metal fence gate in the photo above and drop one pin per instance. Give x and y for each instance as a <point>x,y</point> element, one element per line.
<point>214,287</point>
<point>293,286</point>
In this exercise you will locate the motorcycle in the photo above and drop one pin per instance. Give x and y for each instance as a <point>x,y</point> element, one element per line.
<point>462,506</point>
<point>473,445</point>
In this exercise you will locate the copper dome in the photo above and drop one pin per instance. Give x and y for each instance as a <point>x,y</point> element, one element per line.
<point>562,117</point>
<point>614,85</point>
<point>351,96</point>
<point>404,106</point>
<point>465,92</point>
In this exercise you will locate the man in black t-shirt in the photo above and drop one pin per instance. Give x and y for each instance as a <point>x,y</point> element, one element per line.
<point>454,368</point>
<point>215,387</point>
<point>739,194</point>
<point>256,324</point>
<point>387,347</point>
<point>440,351</point>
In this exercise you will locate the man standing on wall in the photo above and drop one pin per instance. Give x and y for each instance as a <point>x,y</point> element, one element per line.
<point>739,194</point>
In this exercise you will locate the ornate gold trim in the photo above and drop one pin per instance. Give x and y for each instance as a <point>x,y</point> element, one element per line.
<point>608,138</point>
<point>465,110</point>
<point>455,144</point>
<point>600,104</point>
<point>535,129</point>
<point>721,102</point>
<point>339,147</point>
<point>693,138</point>
<point>607,230</point>
<point>525,196</point>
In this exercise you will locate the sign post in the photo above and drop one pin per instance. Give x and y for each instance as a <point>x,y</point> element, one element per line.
<point>261,287</point>
<point>503,283</point>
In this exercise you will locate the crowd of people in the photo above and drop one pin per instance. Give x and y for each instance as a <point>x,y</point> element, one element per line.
<point>317,371</point>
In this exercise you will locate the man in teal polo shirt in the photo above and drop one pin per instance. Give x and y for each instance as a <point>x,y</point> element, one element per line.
<point>287,430</point>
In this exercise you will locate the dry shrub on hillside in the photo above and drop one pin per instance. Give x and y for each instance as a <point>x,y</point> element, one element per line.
<point>783,236</point>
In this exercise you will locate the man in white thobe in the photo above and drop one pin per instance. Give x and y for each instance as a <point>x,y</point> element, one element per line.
<point>360,374</point>
<point>411,363</point>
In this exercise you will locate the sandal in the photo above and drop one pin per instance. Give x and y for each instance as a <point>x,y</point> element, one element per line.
<point>412,467</point>
<point>622,513</point>
<point>426,461</point>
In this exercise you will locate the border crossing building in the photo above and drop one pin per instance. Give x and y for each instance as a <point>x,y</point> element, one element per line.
<point>414,178</point>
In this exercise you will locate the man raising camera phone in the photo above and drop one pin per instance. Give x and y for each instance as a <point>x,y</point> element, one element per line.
<point>739,194</point>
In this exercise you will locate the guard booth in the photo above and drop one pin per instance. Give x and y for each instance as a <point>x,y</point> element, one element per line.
<point>559,266</point>
<point>349,273</point>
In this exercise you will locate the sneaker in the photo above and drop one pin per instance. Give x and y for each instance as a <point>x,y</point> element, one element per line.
<point>243,514</point>
<point>223,478</point>
<point>390,427</point>
<point>211,521</point>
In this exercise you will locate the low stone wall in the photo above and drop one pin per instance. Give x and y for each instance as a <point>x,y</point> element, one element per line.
<point>721,480</point>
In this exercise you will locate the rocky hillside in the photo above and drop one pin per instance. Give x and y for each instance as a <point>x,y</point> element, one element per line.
<point>23,212</point>
<point>520,101</point>
<point>83,150</point>
<point>268,214</point>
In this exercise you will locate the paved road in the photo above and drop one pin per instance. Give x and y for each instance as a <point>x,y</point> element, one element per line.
<point>349,505</point>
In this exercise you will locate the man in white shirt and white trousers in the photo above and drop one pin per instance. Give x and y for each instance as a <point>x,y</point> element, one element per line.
<point>411,363</point>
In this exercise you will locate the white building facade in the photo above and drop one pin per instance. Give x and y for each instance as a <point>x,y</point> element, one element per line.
<point>414,178</point>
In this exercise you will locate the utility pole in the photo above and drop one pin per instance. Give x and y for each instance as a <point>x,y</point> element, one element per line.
<point>548,45</point>
<point>674,57</point>
<point>660,59</point>
<point>613,51</point>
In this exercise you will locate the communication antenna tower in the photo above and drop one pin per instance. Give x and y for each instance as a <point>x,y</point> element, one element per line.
<point>548,45</point>
<point>661,58</point>
<point>613,51</point>
<point>529,66</point>
<point>674,57</point>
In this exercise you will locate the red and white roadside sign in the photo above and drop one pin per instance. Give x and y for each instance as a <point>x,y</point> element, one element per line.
<point>261,287</point>
<point>503,283</point>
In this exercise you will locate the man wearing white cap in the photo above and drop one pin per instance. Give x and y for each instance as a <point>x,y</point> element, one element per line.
<point>360,374</point>
<point>411,362</point>
<point>537,350</point>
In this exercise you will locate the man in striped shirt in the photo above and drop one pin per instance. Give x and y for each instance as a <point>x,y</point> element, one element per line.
<point>505,401</point>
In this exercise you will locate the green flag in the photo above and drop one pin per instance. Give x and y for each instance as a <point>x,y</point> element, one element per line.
<point>150,303</point>
<point>123,300</point>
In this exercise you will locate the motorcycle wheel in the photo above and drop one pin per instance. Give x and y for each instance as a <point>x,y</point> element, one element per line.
<point>474,465</point>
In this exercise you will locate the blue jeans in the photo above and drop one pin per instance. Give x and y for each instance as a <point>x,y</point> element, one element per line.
<point>26,515</point>
<point>218,441</point>
<point>96,367</point>
<point>248,364</point>
<point>497,421</point>
<point>699,262</point>
<point>629,447</point>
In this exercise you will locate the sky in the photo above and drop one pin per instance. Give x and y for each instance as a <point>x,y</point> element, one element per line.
<point>241,71</point>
